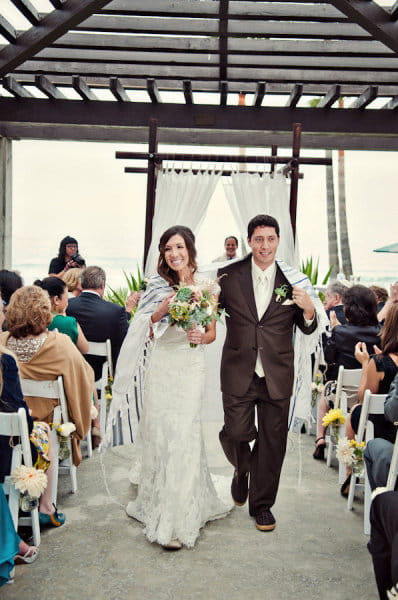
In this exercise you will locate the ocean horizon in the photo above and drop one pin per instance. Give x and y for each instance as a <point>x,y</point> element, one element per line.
<point>116,266</point>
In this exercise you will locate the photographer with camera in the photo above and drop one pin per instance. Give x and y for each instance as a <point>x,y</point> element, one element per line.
<point>68,257</point>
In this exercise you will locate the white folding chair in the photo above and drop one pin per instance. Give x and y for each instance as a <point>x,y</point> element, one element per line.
<point>312,419</point>
<point>54,389</point>
<point>15,424</point>
<point>102,349</point>
<point>373,404</point>
<point>346,388</point>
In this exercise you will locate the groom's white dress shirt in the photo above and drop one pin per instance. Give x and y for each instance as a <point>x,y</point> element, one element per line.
<point>263,286</point>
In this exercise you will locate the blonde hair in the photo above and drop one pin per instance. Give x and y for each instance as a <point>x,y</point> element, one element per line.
<point>72,278</point>
<point>29,311</point>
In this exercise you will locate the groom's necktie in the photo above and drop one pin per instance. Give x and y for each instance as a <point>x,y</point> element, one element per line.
<point>262,295</point>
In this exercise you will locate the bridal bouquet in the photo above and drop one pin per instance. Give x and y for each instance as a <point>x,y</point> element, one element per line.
<point>194,305</point>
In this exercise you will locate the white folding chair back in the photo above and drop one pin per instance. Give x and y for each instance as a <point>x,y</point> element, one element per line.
<point>393,472</point>
<point>346,387</point>
<point>15,424</point>
<point>373,404</point>
<point>312,419</point>
<point>54,389</point>
<point>102,349</point>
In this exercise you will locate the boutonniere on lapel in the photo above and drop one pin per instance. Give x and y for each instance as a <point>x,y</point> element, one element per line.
<point>284,294</point>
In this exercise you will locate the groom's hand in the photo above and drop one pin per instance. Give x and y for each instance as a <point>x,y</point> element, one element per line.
<point>304,301</point>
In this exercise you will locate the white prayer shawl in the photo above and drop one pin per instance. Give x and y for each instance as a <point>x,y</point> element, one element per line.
<point>304,346</point>
<point>126,405</point>
<point>125,408</point>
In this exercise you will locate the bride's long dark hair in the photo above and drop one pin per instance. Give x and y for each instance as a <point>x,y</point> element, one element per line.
<point>163,268</point>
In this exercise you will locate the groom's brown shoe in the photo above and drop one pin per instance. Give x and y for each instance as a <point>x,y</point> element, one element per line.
<point>240,488</point>
<point>265,520</point>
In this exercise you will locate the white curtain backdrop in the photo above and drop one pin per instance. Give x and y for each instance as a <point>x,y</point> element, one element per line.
<point>251,194</point>
<point>181,199</point>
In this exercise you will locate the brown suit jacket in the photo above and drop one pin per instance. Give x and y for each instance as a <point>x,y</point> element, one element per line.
<point>272,335</point>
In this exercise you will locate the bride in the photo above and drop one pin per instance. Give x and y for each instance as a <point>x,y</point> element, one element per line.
<point>176,495</point>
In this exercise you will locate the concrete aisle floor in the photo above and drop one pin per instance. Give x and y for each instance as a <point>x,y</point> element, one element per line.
<point>317,552</point>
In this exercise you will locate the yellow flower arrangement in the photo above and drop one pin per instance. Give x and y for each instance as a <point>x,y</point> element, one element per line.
<point>335,416</point>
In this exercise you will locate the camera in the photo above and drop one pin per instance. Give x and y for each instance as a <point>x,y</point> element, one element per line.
<point>77,258</point>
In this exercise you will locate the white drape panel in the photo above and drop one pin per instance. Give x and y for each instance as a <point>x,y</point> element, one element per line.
<point>181,199</point>
<point>251,194</point>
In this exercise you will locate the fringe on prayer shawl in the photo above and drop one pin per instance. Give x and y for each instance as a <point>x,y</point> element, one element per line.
<point>304,346</point>
<point>125,409</point>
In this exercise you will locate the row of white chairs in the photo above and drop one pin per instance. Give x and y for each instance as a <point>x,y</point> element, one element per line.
<point>15,425</point>
<point>373,404</point>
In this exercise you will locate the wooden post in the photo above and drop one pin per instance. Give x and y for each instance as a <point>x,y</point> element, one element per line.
<point>295,176</point>
<point>151,186</point>
<point>5,203</point>
<point>274,152</point>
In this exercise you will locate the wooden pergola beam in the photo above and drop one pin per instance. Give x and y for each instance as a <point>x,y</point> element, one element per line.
<point>15,88</point>
<point>373,18</point>
<point>223,93</point>
<point>187,88</point>
<point>28,10</point>
<point>83,89</point>
<point>54,25</point>
<point>153,91</point>
<point>260,93</point>
<point>118,90</point>
<point>366,98</point>
<point>295,95</point>
<point>330,98</point>
<point>7,30</point>
<point>45,86</point>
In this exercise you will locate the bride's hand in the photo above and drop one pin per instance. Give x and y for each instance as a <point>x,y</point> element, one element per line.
<point>195,336</point>
<point>163,308</point>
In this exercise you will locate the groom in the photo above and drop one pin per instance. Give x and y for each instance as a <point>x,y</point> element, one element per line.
<point>257,367</point>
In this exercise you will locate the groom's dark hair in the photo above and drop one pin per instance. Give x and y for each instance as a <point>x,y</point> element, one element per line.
<point>262,221</point>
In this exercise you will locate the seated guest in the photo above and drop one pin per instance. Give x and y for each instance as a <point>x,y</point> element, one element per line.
<point>393,300</point>
<point>383,544</point>
<point>68,257</point>
<point>9,282</point>
<point>58,292</point>
<point>231,247</point>
<point>99,319</point>
<point>72,278</point>
<point>43,354</point>
<point>378,452</point>
<point>362,325</point>
<point>333,300</point>
<point>12,548</point>
<point>378,372</point>
<point>11,400</point>
<point>381,296</point>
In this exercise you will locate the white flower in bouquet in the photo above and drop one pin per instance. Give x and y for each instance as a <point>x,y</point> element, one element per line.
<point>344,451</point>
<point>30,480</point>
<point>66,429</point>
<point>94,412</point>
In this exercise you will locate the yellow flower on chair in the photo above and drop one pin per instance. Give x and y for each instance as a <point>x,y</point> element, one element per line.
<point>335,416</point>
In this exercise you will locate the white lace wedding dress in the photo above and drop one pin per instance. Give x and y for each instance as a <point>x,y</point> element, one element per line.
<point>176,493</point>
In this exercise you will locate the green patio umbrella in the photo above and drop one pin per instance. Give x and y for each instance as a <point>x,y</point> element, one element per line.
<point>389,248</point>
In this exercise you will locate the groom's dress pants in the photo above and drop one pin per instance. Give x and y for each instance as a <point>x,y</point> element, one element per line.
<point>264,460</point>
<point>383,544</point>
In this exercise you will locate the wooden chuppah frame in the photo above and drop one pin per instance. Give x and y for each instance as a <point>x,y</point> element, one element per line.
<point>156,158</point>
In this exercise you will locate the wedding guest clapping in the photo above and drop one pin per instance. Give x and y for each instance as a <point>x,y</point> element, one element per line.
<point>362,325</point>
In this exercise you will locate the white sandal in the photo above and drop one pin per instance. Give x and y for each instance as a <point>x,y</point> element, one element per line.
<point>30,556</point>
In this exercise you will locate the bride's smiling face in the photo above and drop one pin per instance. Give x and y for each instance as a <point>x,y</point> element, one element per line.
<point>176,253</point>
